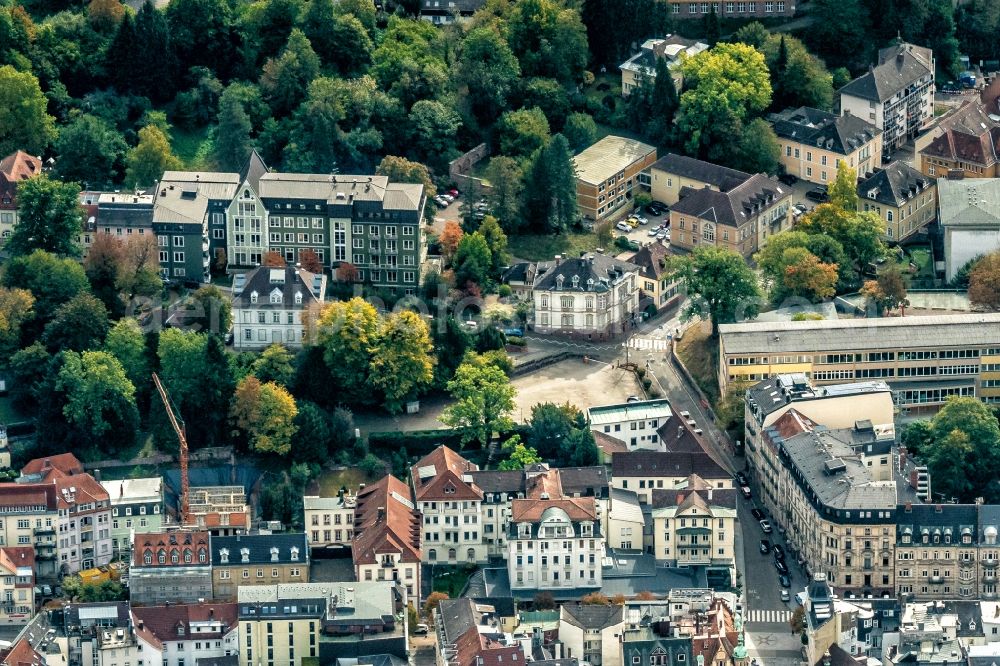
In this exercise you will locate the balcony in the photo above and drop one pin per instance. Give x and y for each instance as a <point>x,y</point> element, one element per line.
<point>44,530</point>
<point>966,564</point>
<point>935,580</point>
<point>990,564</point>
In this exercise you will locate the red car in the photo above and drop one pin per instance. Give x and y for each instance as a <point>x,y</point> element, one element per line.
<point>453,192</point>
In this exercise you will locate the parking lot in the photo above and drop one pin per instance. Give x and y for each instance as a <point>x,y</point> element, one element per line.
<point>640,234</point>
<point>581,384</point>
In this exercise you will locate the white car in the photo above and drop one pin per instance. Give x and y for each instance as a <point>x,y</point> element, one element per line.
<point>643,220</point>
<point>653,232</point>
<point>662,235</point>
<point>766,526</point>
<point>622,226</point>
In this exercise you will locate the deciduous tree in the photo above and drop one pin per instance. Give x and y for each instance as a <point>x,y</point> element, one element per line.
<point>963,455</point>
<point>100,400</point>
<point>449,240</point>
<point>24,122</point>
<point>984,282</point>
<point>265,414</point>
<point>16,308</point>
<point>79,324</point>
<point>843,190</point>
<point>275,365</point>
<point>285,77</point>
<point>152,156</point>
<point>310,260</point>
<point>721,286</point>
<point>519,456</point>
<point>89,150</point>
<point>483,400</point>
<point>50,217</point>
<point>402,362</point>
<point>347,332</point>
<point>50,279</point>
<point>808,277</point>
<point>580,130</point>
<point>506,181</point>
<point>490,71</point>
<point>473,261</point>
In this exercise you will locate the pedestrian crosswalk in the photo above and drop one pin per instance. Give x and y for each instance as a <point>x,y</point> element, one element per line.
<point>770,616</point>
<point>651,344</point>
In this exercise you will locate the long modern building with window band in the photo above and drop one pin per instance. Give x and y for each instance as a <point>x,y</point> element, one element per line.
<point>925,360</point>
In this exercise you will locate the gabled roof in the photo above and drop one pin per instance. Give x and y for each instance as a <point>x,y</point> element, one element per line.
<point>592,273</point>
<point>499,481</point>
<point>898,66</point>
<point>822,129</point>
<point>970,202</point>
<point>658,463</point>
<point>736,206</point>
<point>163,624</point>
<point>721,177</point>
<point>170,542</point>
<point>13,495</point>
<point>253,169</point>
<point>438,476</point>
<point>21,654</point>
<point>651,261</point>
<point>586,616</point>
<point>968,134</point>
<point>79,489</point>
<point>534,510</point>
<point>14,168</point>
<point>385,522</point>
<point>67,463</point>
<point>894,184</point>
<point>13,558</point>
<point>290,282</point>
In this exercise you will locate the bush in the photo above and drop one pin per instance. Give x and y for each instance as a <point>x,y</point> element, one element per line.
<point>641,372</point>
<point>653,394</point>
<point>646,383</point>
<point>516,341</point>
<point>372,466</point>
<point>505,291</point>
<point>609,102</point>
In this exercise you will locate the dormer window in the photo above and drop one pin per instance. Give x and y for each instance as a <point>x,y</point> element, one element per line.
<point>224,556</point>
<point>202,555</point>
<point>298,298</point>
<point>187,556</point>
<point>274,554</point>
<point>253,296</point>
<point>576,281</point>
<point>276,296</point>
<point>906,538</point>
<point>295,554</point>
<point>175,557</point>
<point>244,554</point>
<point>147,558</point>
<point>180,629</point>
<point>161,557</point>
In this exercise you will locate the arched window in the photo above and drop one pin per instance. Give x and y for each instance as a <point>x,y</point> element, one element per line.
<point>471,555</point>
<point>187,556</point>
<point>161,557</point>
<point>175,557</point>
<point>432,555</point>
<point>202,555</point>
<point>147,558</point>
<point>452,554</point>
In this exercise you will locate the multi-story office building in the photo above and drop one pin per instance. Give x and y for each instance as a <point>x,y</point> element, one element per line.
<point>329,521</point>
<point>187,204</point>
<point>648,471</point>
<point>740,218</point>
<point>554,542</point>
<point>136,508</point>
<point>180,634</point>
<point>904,198</point>
<point>365,221</point>
<point>171,566</point>
<point>387,533</point>
<point>257,559</point>
<point>608,173</point>
<point>451,505</point>
<point>286,624</point>
<point>272,305</point>
<point>594,297</point>
<point>896,95</point>
<point>14,168</point>
<point>937,553</point>
<point>924,359</point>
<point>695,526</point>
<point>813,143</point>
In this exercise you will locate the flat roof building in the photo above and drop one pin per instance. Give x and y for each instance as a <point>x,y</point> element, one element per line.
<point>607,174</point>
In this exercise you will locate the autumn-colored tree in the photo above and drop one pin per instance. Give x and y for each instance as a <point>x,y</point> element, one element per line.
<point>310,261</point>
<point>843,190</point>
<point>595,599</point>
<point>808,277</point>
<point>449,239</point>
<point>646,595</point>
<point>105,15</point>
<point>347,272</point>
<point>798,620</point>
<point>984,282</point>
<point>265,414</point>
<point>432,602</point>
<point>618,599</point>
<point>888,292</point>
<point>272,259</point>
<point>221,260</point>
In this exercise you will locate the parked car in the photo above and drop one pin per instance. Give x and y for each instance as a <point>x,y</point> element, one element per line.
<point>779,552</point>
<point>643,220</point>
<point>621,226</point>
<point>785,580</point>
<point>632,222</point>
<point>757,513</point>
<point>653,209</point>
<point>741,479</point>
<point>800,598</point>
<point>633,398</point>
<point>515,332</point>
<point>765,546</point>
<point>421,629</point>
<point>746,491</point>
<point>663,235</point>
<point>785,596</point>
<point>765,525</point>
<point>441,203</point>
<point>652,233</point>
<point>453,192</point>
<point>788,178</point>
<point>818,194</point>
<point>781,567</point>
<point>447,197</point>
<point>47,590</point>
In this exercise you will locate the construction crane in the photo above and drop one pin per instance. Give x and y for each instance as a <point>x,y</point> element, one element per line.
<point>178,425</point>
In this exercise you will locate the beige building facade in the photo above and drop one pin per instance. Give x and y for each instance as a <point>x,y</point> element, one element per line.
<point>813,143</point>
<point>904,198</point>
<point>329,521</point>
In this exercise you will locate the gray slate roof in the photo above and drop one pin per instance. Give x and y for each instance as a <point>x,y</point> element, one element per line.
<point>893,185</point>
<point>593,273</point>
<point>253,169</point>
<point>898,67</point>
<point>839,134</point>
<point>659,463</point>
<point>593,617</point>
<point>971,202</point>
<point>939,520</point>
<point>289,279</point>
<point>721,177</point>
<point>734,207</point>
<point>809,337</point>
<point>774,393</point>
<point>259,547</point>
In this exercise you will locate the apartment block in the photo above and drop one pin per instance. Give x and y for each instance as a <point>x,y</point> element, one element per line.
<point>591,633</point>
<point>99,634</point>
<point>17,584</point>
<point>937,554</point>
<point>904,198</point>
<point>680,9</point>
<point>257,559</point>
<point>329,521</point>
<point>274,305</point>
<point>969,212</point>
<point>637,424</point>
<point>553,541</point>
<point>673,174</point>
<point>966,140</point>
<point>451,505</point>
<point>923,359</point>
<point>659,286</point>
<point>181,634</point>
<point>136,508</point>
<point>813,143</point>
<point>648,471</point>
<point>608,173</point>
<point>387,536</point>
<point>470,633</point>
<point>219,510</point>
<point>173,567</point>
<point>896,95</point>
<point>311,622</point>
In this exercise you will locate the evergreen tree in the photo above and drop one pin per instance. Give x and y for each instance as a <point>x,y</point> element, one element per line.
<point>710,28</point>
<point>562,183</point>
<point>663,103</point>
<point>232,136</point>
<point>155,74</point>
<point>124,56</point>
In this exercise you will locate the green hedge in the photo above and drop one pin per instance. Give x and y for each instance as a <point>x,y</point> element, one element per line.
<point>419,443</point>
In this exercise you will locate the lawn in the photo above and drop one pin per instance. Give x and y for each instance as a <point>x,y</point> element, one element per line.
<point>194,148</point>
<point>538,247</point>
<point>700,354</point>
<point>330,482</point>
<point>451,580</point>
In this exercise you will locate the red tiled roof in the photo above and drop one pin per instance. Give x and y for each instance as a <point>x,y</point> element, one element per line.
<point>608,444</point>
<point>28,494</point>
<point>547,485</point>
<point>530,510</point>
<point>446,482</point>
<point>67,463</point>
<point>169,543</point>
<point>12,557</point>
<point>13,169</point>
<point>472,648</point>
<point>386,522</point>
<point>78,489</point>
<point>20,654</point>
<point>160,624</point>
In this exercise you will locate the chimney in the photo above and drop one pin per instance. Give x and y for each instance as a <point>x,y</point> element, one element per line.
<point>827,659</point>
<point>97,475</point>
<point>709,494</point>
<point>909,509</point>
<point>937,508</point>
<point>680,498</point>
<point>381,513</point>
<point>903,452</point>
<point>211,613</point>
<point>680,431</point>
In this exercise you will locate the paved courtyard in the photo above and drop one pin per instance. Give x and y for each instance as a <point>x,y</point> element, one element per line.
<point>581,384</point>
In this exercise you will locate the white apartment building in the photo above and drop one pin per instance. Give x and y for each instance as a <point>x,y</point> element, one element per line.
<point>136,508</point>
<point>896,94</point>
<point>271,305</point>
<point>553,541</point>
<point>595,297</point>
<point>624,524</point>
<point>633,423</point>
<point>329,521</point>
<point>451,505</point>
<point>592,634</point>
<point>182,634</point>
<point>648,471</point>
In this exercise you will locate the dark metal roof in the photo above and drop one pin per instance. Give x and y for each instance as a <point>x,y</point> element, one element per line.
<point>813,127</point>
<point>259,549</point>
